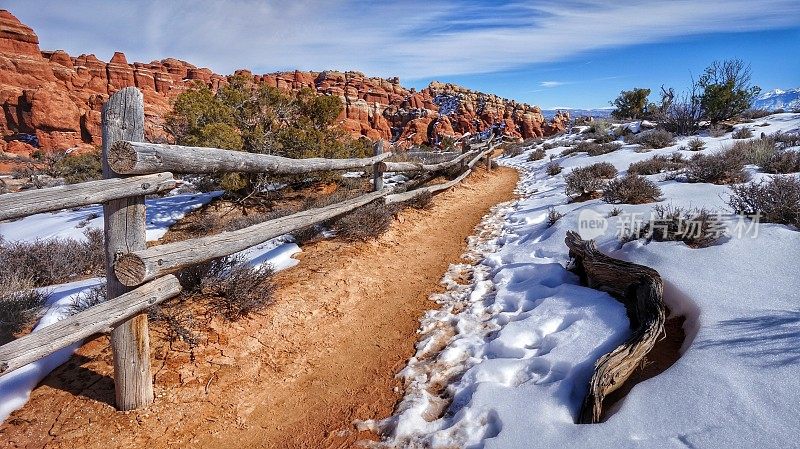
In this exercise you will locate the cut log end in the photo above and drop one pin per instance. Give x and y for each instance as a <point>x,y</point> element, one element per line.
<point>122,157</point>
<point>130,270</point>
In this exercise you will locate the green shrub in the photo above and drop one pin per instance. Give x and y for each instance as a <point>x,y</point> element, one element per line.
<point>726,90</point>
<point>631,189</point>
<point>630,104</point>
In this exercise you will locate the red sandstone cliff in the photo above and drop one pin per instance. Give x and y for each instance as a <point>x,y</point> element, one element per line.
<point>58,97</point>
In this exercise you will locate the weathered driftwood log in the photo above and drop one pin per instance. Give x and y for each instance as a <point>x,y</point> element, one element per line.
<point>137,158</point>
<point>640,289</point>
<point>415,167</point>
<point>140,266</point>
<point>94,320</point>
<point>29,202</point>
<point>125,223</point>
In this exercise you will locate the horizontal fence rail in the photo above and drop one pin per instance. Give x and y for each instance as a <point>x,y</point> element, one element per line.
<point>138,277</point>
<point>29,202</point>
<point>138,158</point>
<point>137,267</point>
<point>94,320</point>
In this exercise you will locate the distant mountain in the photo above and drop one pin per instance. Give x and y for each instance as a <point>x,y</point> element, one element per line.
<point>599,113</point>
<point>778,99</point>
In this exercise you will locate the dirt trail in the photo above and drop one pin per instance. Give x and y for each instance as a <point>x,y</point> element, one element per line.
<point>297,376</point>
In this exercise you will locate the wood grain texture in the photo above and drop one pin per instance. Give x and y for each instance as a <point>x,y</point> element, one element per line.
<point>125,226</point>
<point>142,265</point>
<point>139,158</point>
<point>640,289</point>
<point>93,320</point>
<point>28,202</point>
<point>377,169</point>
<point>417,167</point>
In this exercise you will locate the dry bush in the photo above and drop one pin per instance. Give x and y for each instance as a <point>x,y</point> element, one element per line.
<point>241,291</point>
<point>658,164</point>
<point>553,216</point>
<point>786,140</point>
<point>583,181</point>
<point>53,261</point>
<point>651,139</point>
<point>697,228</point>
<point>783,161</point>
<point>421,201</point>
<point>718,130</point>
<point>536,155</point>
<point>366,222</point>
<point>721,168</point>
<point>553,168</point>
<point>178,324</point>
<point>191,278</point>
<point>776,200</point>
<point>631,189</point>
<point>20,305</point>
<point>755,151</point>
<point>753,114</point>
<point>515,149</point>
<point>696,144</point>
<point>550,145</point>
<point>742,133</point>
<point>87,299</point>
<point>592,148</point>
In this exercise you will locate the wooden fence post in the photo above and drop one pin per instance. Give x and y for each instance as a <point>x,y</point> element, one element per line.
<point>489,156</point>
<point>125,226</point>
<point>377,170</point>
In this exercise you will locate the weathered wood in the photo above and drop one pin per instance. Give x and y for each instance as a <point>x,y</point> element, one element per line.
<point>125,226</point>
<point>416,167</point>
<point>406,196</point>
<point>377,169</point>
<point>137,158</point>
<point>29,202</point>
<point>640,289</point>
<point>93,320</point>
<point>140,266</point>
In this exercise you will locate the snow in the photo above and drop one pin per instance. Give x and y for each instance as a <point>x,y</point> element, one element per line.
<point>70,223</point>
<point>505,361</point>
<point>771,100</point>
<point>15,388</point>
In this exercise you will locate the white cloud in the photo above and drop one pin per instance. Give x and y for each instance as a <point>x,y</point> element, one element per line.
<point>550,84</point>
<point>412,39</point>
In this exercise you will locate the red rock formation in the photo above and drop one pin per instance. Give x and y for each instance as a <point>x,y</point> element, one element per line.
<point>59,98</point>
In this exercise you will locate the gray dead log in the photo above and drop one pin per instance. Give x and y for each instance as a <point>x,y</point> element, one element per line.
<point>29,202</point>
<point>94,320</point>
<point>640,289</point>
<point>137,158</point>
<point>142,265</point>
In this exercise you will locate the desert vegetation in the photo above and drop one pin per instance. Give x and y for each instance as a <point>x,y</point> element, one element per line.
<point>698,228</point>
<point>631,189</point>
<point>585,181</point>
<point>776,200</point>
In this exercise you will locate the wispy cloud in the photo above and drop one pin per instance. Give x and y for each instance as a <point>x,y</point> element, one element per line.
<point>413,39</point>
<point>550,84</point>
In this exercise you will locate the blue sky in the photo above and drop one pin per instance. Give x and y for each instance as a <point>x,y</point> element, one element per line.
<point>555,53</point>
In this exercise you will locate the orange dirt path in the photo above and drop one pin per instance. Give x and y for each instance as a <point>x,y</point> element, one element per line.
<point>297,375</point>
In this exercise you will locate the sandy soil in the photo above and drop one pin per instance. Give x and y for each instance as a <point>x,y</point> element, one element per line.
<point>298,375</point>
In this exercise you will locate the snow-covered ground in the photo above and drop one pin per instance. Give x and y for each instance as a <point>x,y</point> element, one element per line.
<point>514,346</point>
<point>162,213</point>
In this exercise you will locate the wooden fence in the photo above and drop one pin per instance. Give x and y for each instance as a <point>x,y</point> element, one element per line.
<point>138,277</point>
